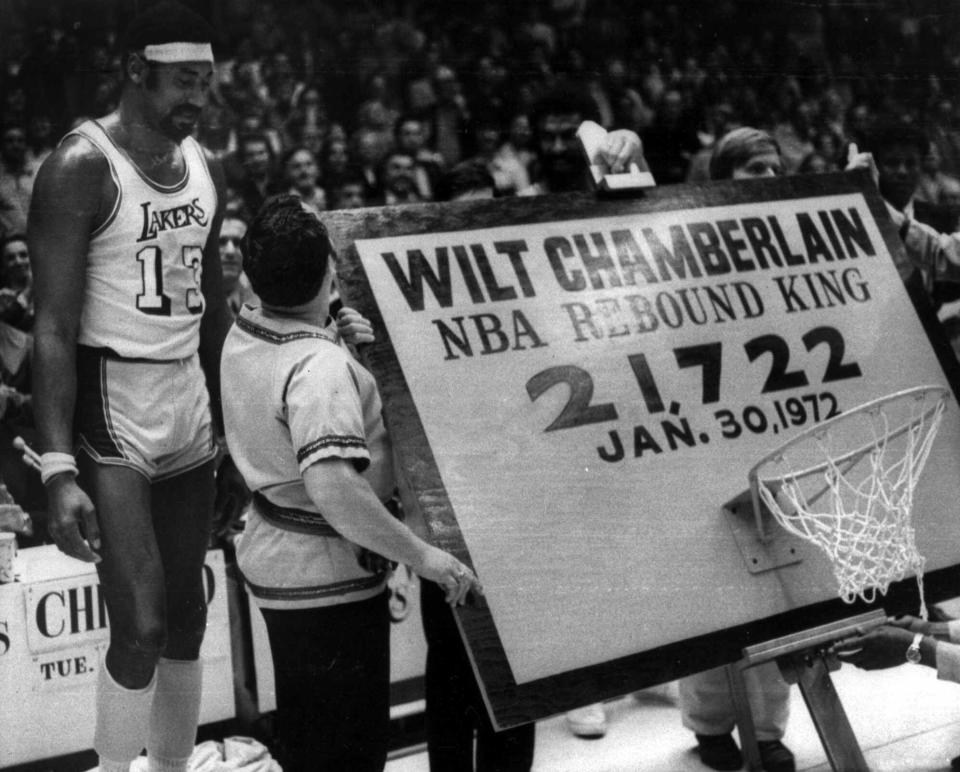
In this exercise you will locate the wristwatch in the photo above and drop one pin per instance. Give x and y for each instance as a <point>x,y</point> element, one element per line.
<point>913,651</point>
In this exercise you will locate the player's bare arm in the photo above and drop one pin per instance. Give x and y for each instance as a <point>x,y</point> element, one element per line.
<point>353,327</point>
<point>73,194</point>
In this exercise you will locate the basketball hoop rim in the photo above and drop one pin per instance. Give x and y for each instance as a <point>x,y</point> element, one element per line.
<point>754,477</point>
<point>804,434</point>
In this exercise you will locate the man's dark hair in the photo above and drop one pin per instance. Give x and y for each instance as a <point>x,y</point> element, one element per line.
<point>353,176</point>
<point>9,239</point>
<point>286,251</point>
<point>466,177</point>
<point>566,99</point>
<point>166,22</point>
<point>891,132</point>
<point>395,153</point>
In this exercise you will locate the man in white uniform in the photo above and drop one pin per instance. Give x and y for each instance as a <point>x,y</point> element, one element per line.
<point>130,320</point>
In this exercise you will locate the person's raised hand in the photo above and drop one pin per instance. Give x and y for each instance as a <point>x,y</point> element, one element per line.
<point>858,160</point>
<point>232,497</point>
<point>620,148</point>
<point>353,327</point>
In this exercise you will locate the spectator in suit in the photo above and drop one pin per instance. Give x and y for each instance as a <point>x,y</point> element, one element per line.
<point>397,180</point>
<point>899,150</point>
<point>449,117</point>
<point>16,404</point>
<point>935,185</point>
<point>560,167</point>
<point>16,283</point>
<point>378,112</point>
<point>17,174</point>
<point>256,158</point>
<point>410,136</point>
<point>367,153</point>
<point>335,162</point>
<point>518,144</point>
<point>509,175</point>
<point>301,175</point>
<point>236,286</point>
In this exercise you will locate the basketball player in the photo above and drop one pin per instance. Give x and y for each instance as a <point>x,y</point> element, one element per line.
<point>130,321</point>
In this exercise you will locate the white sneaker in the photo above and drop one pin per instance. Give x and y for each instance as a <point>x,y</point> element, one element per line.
<point>588,721</point>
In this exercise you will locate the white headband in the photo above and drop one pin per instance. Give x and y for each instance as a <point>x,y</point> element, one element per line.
<point>172,53</point>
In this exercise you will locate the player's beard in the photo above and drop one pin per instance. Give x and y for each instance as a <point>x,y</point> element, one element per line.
<point>177,130</point>
<point>563,172</point>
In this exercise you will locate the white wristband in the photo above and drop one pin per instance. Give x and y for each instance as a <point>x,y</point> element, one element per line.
<point>52,464</point>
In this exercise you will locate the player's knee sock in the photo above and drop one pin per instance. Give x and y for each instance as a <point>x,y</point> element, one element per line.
<point>123,716</point>
<point>176,711</point>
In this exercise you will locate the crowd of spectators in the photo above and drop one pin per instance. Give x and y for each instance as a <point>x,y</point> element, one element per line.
<point>328,98</point>
<point>350,104</point>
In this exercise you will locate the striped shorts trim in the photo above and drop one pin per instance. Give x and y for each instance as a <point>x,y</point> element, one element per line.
<point>151,416</point>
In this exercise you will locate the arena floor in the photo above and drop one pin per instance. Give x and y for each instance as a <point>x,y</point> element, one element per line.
<point>905,719</point>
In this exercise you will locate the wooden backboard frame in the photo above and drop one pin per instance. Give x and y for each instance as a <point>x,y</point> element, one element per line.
<point>510,703</point>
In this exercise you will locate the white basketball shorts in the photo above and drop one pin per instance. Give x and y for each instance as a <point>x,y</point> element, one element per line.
<point>150,415</point>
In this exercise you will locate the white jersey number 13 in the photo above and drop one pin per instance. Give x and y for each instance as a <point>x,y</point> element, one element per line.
<point>153,300</point>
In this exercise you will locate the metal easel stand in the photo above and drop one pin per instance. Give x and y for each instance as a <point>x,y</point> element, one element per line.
<point>803,661</point>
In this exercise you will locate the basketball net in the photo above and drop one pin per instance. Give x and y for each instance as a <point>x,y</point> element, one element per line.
<point>847,486</point>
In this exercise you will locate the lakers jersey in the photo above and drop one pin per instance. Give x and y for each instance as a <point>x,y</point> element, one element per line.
<point>142,296</point>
